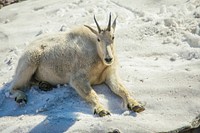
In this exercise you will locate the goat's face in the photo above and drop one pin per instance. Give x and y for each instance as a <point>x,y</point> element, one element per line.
<point>105,41</point>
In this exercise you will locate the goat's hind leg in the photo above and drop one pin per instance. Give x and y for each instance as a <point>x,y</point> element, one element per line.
<point>21,79</point>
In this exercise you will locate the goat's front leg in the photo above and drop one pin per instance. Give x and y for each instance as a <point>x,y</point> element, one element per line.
<point>118,88</point>
<point>85,90</point>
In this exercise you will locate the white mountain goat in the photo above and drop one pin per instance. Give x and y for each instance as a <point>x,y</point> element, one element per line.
<point>82,57</point>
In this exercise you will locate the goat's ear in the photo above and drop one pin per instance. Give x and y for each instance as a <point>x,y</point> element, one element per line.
<point>114,24</point>
<point>91,29</point>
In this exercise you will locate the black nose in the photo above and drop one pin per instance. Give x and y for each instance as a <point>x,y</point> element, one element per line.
<point>108,60</point>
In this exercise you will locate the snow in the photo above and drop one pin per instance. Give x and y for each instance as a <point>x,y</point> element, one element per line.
<point>158,46</point>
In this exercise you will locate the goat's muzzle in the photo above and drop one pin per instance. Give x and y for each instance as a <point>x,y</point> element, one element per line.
<point>108,60</point>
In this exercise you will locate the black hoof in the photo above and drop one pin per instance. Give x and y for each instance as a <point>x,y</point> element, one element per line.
<point>45,86</point>
<point>21,100</point>
<point>102,113</point>
<point>136,108</point>
<point>115,131</point>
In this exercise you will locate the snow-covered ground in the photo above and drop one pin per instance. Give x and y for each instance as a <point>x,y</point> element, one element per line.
<point>158,46</point>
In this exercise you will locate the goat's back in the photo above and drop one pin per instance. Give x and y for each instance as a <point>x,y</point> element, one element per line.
<point>64,54</point>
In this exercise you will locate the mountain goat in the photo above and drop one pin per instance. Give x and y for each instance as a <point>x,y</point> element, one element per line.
<point>82,57</point>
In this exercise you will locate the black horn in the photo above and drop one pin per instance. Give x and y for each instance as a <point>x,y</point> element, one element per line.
<point>114,23</point>
<point>99,29</point>
<point>109,23</point>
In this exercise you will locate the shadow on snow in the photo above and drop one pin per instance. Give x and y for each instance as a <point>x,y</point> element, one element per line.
<point>60,106</point>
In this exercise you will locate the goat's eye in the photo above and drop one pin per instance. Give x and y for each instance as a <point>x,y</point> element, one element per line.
<point>98,40</point>
<point>113,38</point>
